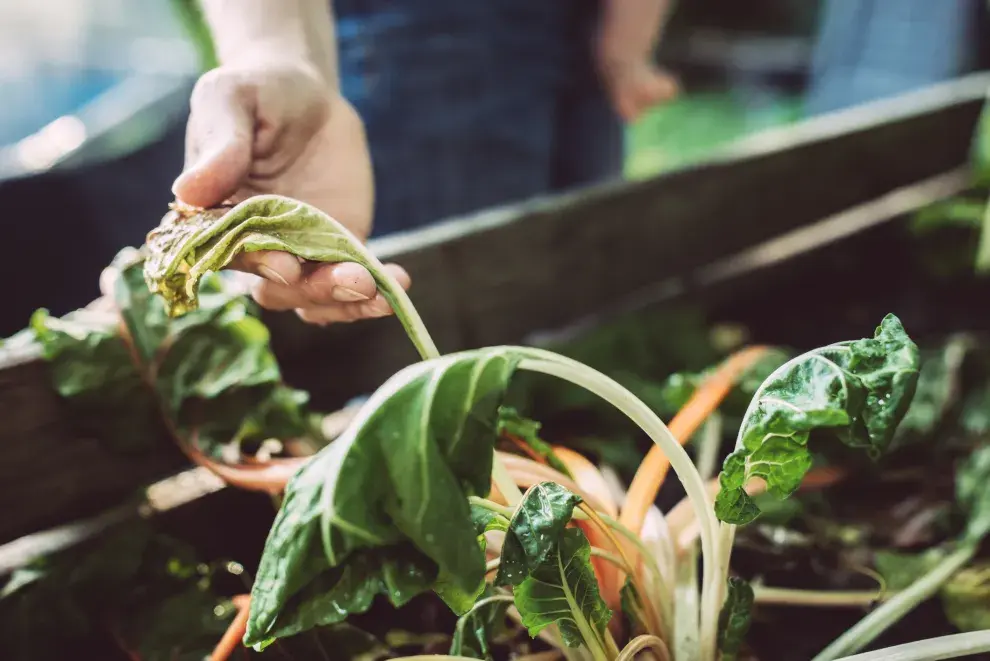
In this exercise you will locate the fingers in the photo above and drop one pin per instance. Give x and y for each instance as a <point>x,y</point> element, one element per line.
<point>637,90</point>
<point>219,140</point>
<point>325,293</point>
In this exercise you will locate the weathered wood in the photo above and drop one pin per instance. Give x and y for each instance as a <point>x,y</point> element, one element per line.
<point>499,276</point>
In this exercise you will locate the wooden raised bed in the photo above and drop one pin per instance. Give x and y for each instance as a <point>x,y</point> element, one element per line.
<point>523,273</point>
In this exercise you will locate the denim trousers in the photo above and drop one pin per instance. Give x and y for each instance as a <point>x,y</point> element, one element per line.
<point>471,104</point>
<point>871,49</point>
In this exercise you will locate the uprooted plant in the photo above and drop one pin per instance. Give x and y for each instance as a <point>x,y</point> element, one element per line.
<point>414,497</point>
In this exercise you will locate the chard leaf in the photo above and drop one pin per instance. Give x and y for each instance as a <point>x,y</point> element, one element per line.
<point>482,624</point>
<point>485,520</point>
<point>973,493</point>
<point>563,591</point>
<point>212,373</point>
<point>92,370</point>
<point>859,390</point>
<point>534,531</point>
<point>900,570</point>
<point>528,431</point>
<point>734,619</point>
<point>398,478</point>
<point>189,244</point>
<point>938,387</point>
<point>966,598</point>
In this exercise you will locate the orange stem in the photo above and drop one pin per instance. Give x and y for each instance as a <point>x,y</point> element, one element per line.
<point>703,402</point>
<point>235,632</point>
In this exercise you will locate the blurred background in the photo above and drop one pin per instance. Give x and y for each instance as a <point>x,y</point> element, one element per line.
<point>96,95</point>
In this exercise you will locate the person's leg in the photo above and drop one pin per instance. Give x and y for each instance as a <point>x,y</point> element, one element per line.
<point>457,103</point>
<point>589,138</point>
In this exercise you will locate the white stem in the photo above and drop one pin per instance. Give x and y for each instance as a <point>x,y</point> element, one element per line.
<point>708,446</point>
<point>932,649</point>
<point>823,598</point>
<point>546,362</point>
<point>686,630</point>
<point>866,630</point>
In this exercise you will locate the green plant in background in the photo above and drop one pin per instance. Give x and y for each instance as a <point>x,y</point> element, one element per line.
<point>191,16</point>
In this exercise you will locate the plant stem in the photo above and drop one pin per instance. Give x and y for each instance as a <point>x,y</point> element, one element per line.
<point>507,512</point>
<point>932,649</point>
<point>825,598</point>
<point>640,643</point>
<point>878,621</point>
<point>656,625</point>
<point>413,324</point>
<point>590,379</point>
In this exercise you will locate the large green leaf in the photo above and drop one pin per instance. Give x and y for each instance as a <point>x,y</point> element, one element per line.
<point>859,390</point>
<point>211,372</point>
<point>534,531</point>
<point>398,480</point>
<point>563,591</point>
<point>733,620</point>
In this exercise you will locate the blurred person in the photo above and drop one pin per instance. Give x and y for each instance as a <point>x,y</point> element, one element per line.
<point>872,49</point>
<point>463,105</point>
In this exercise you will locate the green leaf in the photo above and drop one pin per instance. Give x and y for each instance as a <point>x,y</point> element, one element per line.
<point>632,606</point>
<point>899,570</point>
<point>528,431</point>
<point>966,598</point>
<point>973,493</point>
<point>486,520</point>
<point>563,591</point>
<point>212,372</point>
<point>534,531</point>
<point>859,390</point>
<point>734,619</point>
<point>92,369</point>
<point>398,478</point>
<point>188,245</point>
<point>477,628</point>
<point>938,387</point>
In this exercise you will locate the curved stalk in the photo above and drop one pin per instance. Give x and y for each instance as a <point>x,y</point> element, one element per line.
<point>815,598</point>
<point>866,630</point>
<point>657,625</point>
<point>546,362</point>
<point>640,643</point>
<point>932,649</point>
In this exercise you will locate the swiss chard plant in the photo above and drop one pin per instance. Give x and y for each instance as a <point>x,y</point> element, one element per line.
<point>414,497</point>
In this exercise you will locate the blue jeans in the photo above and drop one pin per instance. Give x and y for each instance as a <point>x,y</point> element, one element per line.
<point>470,104</point>
<point>871,49</point>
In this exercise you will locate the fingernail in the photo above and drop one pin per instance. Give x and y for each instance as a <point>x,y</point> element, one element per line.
<point>271,274</point>
<point>345,295</point>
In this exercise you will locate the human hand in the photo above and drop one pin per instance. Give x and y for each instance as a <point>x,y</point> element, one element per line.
<point>277,127</point>
<point>624,53</point>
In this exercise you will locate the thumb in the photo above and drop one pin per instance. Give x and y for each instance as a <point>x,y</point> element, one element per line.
<point>218,144</point>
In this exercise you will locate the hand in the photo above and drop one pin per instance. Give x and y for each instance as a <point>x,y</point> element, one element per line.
<point>276,127</point>
<point>636,86</point>
<point>624,53</point>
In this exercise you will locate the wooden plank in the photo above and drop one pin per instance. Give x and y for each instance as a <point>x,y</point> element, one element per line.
<point>499,276</point>
<point>496,277</point>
